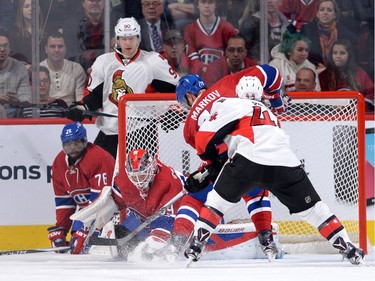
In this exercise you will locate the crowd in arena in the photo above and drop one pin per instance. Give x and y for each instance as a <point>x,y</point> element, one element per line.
<point>211,38</point>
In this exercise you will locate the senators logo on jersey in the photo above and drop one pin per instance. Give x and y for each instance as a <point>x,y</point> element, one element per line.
<point>119,87</point>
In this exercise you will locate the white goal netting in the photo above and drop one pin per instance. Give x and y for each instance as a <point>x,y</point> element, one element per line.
<point>324,134</point>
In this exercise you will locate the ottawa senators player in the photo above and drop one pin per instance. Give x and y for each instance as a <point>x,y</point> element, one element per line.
<point>127,70</point>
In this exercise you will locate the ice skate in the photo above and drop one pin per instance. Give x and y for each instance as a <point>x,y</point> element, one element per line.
<point>194,251</point>
<point>349,251</point>
<point>269,247</point>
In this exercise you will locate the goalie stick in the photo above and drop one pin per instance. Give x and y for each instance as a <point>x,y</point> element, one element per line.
<point>122,241</point>
<point>33,251</point>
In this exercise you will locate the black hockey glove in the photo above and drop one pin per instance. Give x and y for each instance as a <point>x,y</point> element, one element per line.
<point>76,112</point>
<point>196,182</point>
<point>172,119</point>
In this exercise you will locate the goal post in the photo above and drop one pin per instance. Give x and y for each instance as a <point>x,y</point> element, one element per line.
<point>327,133</point>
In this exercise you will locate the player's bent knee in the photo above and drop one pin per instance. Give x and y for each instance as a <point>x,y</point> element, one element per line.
<point>219,203</point>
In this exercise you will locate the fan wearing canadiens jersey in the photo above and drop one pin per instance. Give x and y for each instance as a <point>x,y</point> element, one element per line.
<point>147,186</point>
<point>79,173</point>
<point>127,70</point>
<point>258,148</point>
<point>193,94</point>
<point>207,36</point>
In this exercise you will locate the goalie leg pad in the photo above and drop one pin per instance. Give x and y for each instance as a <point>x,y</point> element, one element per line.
<point>100,211</point>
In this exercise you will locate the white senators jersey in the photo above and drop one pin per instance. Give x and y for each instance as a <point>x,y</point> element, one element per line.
<point>120,77</point>
<point>247,127</point>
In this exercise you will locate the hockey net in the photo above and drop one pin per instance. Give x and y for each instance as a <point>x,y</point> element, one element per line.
<point>326,132</point>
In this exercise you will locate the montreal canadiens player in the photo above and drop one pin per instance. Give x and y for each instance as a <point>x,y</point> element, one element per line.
<point>79,173</point>
<point>257,148</point>
<point>147,186</point>
<point>127,70</point>
<point>193,94</point>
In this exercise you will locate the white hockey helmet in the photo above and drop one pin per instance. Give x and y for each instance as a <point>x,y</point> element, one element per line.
<point>127,27</point>
<point>249,87</point>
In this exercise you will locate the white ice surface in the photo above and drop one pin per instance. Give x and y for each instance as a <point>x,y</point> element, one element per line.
<point>66,267</point>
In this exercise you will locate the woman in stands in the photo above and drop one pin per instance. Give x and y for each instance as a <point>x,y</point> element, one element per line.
<point>343,73</point>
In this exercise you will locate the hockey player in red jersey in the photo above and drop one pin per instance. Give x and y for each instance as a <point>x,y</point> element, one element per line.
<point>79,172</point>
<point>192,93</point>
<point>147,185</point>
<point>258,148</point>
<point>127,70</point>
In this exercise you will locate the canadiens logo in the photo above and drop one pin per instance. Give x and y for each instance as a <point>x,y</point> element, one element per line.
<point>119,87</point>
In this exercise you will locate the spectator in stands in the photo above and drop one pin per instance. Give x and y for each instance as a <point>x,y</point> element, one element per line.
<point>20,33</point>
<point>206,37</point>
<point>235,60</point>
<point>299,12</point>
<point>153,25</point>
<point>290,56</point>
<point>68,79</point>
<point>250,29</point>
<point>181,12</point>
<point>7,14</point>
<point>323,31</point>
<point>305,80</point>
<point>48,106</point>
<point>14,79</point>
<point>343,73</point>
<point>173,47</point>
<point>84,33</point>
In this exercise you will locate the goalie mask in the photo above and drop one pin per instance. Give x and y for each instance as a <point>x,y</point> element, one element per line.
<point>74,139</point>
<point>249,87</point>
<point>190,83</point>
<point>141,168</point>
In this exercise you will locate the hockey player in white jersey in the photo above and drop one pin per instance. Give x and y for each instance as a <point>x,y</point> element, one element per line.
<point>259,155</point>
<point>127,70</point>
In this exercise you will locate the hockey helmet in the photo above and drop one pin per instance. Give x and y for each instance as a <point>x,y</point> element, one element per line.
<point>249,87</point>
<point>141,168</point>
<point>73,132</point>
<point>190,83</point>
<point>127,27</point>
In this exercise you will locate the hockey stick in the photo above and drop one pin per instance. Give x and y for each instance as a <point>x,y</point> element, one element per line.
<point>33,251</point>
<point>122,241</point>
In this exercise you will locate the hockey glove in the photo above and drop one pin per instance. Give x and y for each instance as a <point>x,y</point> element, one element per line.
<point>76,111</point>
<point>172,119</point>
<point>196,182</point>
<point>77,242</point>
<point>56,234</point>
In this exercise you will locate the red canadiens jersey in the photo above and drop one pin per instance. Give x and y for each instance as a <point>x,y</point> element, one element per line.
<point>247,127</point>
<point>207,47</point>
<point>77,185</point>
<point>268,75</point>
<point>167,183</point>
<point>120,77</point>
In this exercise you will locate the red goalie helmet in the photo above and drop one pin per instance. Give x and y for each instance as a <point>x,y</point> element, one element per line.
<point>141,168</point>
